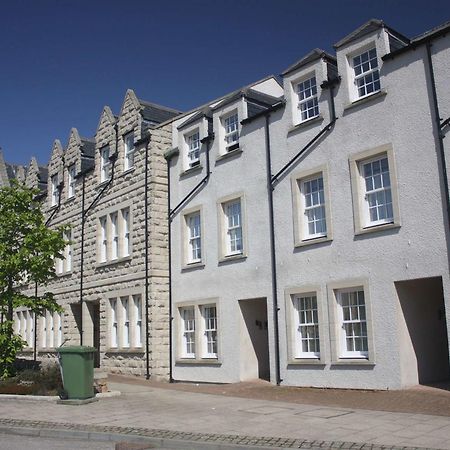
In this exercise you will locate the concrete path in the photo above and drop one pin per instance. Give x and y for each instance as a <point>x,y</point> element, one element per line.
<point>176,414</point>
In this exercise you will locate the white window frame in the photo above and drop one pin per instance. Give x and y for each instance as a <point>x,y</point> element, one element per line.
<point>103,225</point>
<point>71,171</point>
<point>137,305</point>
<point>194,237</point>
<point>308,98</point>
<point>125,322</point>
<point>114,221</point>
<point>209,322</point>
<point>58,320</point>
<point>188,332</point>
<point>128,140</point>
<point>306,325</point>
<point>113,331</point>
<point>230,123</point>
<point>51,329</point>
<point>44,330</point>
<point>54,190</point>
<point>105,164</point>
<point>362,221</point>
<point>193,151</point>
<point>352,321</point>
<point>234,240</point>
<point>361,70</point>
<point>313,192</point>
<point>68,251</point>
<point>125,242</point>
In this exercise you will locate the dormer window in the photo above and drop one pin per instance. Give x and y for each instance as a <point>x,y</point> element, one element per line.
<point>231,126</point>
<point>71,181</point>
<point>308,104</point>
<point>105,164</point>
<point>54,190</point>
<point>367,75</point>
<point>193,149</point>
<point>129,150</point>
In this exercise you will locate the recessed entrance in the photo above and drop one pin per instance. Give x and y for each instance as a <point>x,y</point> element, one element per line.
<point>423,338</point>
<point>254,339</point>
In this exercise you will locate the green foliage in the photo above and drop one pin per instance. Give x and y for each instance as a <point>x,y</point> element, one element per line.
<point>28,249</point>
<point>10,344</point>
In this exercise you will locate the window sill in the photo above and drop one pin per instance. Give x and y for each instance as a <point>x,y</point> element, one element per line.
<point>101,184</point>
<point>70,199</point>
<point>27,350</point>
<point>231,154</point>
<point>64,274</point>
<point>191,171</point>
<point>353,362</point>
<point>193,266</point>
<point>127,350</point>
<point>306,362</point>
<point>200,362</point>
<point>308,242</point>
<point>231,258</point>
<point>377,228</point>
<point>128,171</point>
<point>113,262</point>
<point>299,126</point>
<point>368,99</point>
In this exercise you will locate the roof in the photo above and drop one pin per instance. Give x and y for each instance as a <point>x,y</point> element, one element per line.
<point>204,112</point>
<point>157,113</point>
<point>421,39</point>
<point>315,54</point>
<point>88,147</point>
<point>369,27</point>
<point>250,95</point>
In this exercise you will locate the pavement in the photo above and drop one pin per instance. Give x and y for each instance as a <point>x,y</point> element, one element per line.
<point>243,416</point>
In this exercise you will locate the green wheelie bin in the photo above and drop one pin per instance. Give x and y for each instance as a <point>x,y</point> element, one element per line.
<point>77,370</point>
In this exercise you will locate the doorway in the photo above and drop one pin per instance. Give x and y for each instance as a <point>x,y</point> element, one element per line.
<point>423,337</point>
<point>254,340</point>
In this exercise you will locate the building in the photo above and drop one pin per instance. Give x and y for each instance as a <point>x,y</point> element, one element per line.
<point>113,280</point>
<point>309,222</point>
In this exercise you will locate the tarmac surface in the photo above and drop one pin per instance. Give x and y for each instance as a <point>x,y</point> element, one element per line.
<point>246,415</point>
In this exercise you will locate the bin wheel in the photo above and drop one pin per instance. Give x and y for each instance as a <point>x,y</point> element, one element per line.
<point>63,394</point>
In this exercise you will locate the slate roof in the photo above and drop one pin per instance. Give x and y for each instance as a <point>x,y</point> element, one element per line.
<point>204,112</point>
<point>88,147</point>
<point>368,27</point>
<point>315,54</point>
<point>156,113</point>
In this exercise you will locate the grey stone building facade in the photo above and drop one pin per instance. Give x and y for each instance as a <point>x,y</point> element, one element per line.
<point>112,282</point>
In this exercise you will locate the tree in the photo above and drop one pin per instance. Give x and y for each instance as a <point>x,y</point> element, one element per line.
<point>28,249</point>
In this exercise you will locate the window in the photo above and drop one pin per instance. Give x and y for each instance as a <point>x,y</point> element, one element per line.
<point>210,331</point>
<point>377,187</point>
<point>51,330</point>
<point>103,239</point>
<point>352,323</point>
<point>313,196</point>
<point>105,164</point>
<point>193,149</point>
<point>194,238</point>
<point>71,181</point>
<point>68,251</point>
<point>308,104</point>
<point>198,328</point>
<point>188,340</point>
<point>24,326</point>
<point>54,190</point>
<point>114,237</point>
<point>125,249</point>
<point>374,189</point>
<point>113,323</point>
<point>367,75</point>
<point>233,227</point>
<point>125,322</point>
<point>231,127</point>
<point>129,150</point>
<point>307,343</point>
<point>137,302</point>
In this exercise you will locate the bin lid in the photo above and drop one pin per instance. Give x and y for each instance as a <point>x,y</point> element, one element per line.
<point>76,349</point>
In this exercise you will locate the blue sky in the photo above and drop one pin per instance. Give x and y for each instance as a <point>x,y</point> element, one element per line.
<point>63,60</point>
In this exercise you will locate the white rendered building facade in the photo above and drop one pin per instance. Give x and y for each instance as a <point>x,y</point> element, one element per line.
<point>309,226</point>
